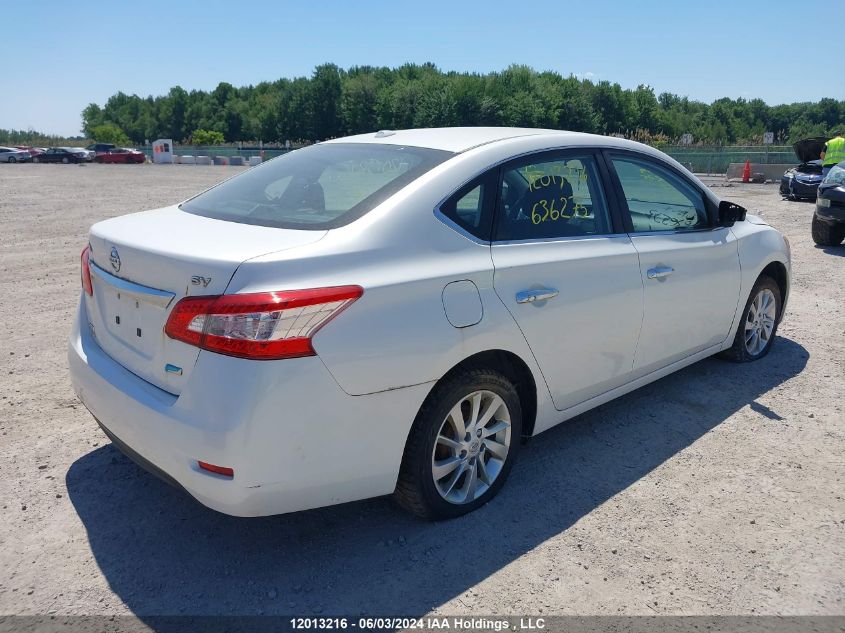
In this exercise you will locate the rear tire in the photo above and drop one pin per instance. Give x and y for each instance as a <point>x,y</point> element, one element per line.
<point>758,324</point>
<point>12,159</point>
<point>462,445</point>
<point>65,161</point>
<point>825,234</point>
<point>36,160</point>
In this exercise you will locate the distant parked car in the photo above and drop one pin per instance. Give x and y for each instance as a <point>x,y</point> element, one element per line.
<point>829,218</point>
<point>101,148</point>
<point>13,155</point>
<point>63,155</point>
<point>121,155</point>
<point>802,181</point>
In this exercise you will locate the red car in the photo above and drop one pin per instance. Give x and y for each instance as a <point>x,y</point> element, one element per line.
<point>121,155</point>
<point>33,151</point>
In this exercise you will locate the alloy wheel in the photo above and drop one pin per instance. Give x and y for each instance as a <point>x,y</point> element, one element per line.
<point>760,321</point>
<point>471,448</point>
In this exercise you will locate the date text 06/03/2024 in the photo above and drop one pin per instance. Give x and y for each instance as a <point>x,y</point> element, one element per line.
<point>431,623</point>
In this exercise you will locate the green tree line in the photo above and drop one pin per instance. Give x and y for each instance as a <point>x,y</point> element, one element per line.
<point>335,102</point>
<point>31,137</point>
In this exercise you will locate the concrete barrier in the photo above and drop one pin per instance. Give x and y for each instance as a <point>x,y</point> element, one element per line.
<point>187,160</point>
<point>236,160</point>
<point>221,160</point>
<point>203,160</point>
<point>254,160</point>
<point>771,172</point>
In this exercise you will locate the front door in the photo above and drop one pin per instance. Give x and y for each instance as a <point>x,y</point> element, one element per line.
<point>689,267</point>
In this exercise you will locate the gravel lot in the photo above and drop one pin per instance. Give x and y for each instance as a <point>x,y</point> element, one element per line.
<point>717,490</point>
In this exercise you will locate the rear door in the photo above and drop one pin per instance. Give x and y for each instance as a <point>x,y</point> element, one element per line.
<point>567,272</point>
<point>689,267</point>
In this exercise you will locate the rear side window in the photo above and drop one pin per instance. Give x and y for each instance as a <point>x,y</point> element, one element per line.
<point>471,206</point>
<point>550,198</point>
<point>659,200</point>
<point>318,187</point>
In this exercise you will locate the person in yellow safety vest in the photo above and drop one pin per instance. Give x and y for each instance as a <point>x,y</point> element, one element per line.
<point>834,152</point>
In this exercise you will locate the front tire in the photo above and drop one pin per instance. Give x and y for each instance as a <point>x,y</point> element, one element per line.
<point>462,445</point>
<point>825,234</point>
<point>759,323</point>
<point>12,159</point>
<point>65,161</point>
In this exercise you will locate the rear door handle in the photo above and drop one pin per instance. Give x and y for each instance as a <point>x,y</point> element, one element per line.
<point>538,294</point>
<point>659,272</point>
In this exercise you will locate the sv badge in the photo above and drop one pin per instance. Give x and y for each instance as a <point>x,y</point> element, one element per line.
<point>200,281</point>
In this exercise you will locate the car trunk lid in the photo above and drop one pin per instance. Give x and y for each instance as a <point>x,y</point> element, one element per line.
<point>142,264</point>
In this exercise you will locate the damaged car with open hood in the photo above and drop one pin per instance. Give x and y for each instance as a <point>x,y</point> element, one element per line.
<point>802,181</point>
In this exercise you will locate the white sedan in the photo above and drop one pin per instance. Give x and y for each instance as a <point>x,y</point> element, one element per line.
<point>394,312</point>
<point>13,155</point>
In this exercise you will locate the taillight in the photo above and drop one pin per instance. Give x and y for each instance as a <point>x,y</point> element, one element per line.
<point>85,271</point>
<point>262,326</point>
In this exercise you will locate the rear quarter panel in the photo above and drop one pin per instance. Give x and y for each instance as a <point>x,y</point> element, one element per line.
<point>397,334</point>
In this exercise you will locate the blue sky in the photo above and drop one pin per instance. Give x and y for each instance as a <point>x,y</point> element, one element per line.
<point>60,56</point>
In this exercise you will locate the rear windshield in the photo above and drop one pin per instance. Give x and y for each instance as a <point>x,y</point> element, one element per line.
<point>317,187</point>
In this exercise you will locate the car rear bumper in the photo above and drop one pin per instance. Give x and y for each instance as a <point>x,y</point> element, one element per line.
<point>294,439</point>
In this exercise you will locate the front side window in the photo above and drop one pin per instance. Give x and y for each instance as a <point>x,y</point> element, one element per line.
<point>551,197</point>
<point>319,187</point>
<point>659,200</point>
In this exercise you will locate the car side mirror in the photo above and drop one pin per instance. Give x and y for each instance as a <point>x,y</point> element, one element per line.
<point>730,213</point>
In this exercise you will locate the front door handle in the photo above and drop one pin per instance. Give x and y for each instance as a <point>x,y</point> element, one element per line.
<point>538,294</point>
<point>659,272</point>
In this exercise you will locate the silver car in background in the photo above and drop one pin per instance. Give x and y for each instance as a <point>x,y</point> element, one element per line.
<point>13,155</point>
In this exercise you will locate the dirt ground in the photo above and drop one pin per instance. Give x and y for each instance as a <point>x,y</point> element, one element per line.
<point>717,490</point>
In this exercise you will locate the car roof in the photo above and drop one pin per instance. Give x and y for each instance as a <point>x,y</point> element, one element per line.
<point>456,139</point>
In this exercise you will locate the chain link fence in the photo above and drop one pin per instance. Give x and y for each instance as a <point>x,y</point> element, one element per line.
<point>714,159</point>
<point>227,151</point>
<point>701,159</point>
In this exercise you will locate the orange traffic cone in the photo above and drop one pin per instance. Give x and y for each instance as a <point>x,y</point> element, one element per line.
<point>746,172</point>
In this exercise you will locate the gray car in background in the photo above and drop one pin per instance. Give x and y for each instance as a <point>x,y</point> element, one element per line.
<point>13,155</point>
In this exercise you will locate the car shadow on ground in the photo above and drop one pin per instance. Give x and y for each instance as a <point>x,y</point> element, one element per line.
<point>162,553</point>
<point>833,250</point>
